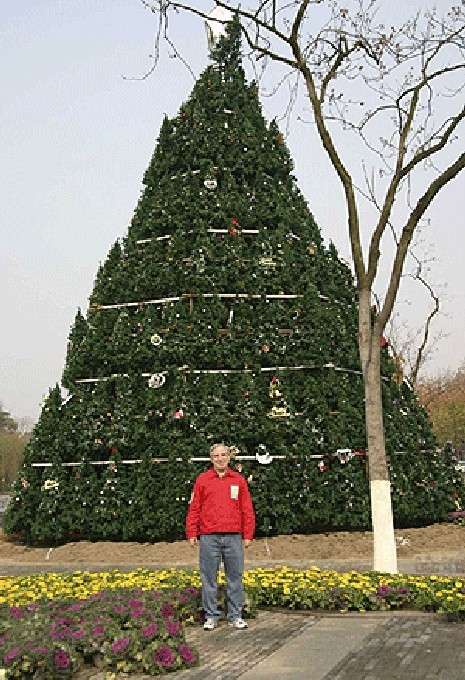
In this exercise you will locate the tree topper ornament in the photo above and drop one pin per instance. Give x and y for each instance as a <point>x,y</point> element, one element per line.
<point>215,25</point>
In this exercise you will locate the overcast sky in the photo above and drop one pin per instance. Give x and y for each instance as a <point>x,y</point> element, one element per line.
<point>76,138</point>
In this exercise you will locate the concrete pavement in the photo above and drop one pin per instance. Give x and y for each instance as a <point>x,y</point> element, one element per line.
<point>293,646</point>
<point>377,646</point>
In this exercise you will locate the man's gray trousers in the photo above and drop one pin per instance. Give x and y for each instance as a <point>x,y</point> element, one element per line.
<point>213,549</point>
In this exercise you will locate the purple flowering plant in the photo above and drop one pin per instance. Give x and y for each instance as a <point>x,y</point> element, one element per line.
<point>164,656</point>
<point>393,597</point>
<point>123,630</point>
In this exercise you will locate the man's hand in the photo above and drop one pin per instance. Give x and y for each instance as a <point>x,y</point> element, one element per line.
<point>247,542</point>
<point>193,541</point>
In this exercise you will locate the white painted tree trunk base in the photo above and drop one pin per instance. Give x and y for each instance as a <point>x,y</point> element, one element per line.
<point>384,540</point>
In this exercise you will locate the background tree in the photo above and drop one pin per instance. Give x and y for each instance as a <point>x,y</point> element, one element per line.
<point>401,73</point>
<point>13,439</point>
<point>7,423</point>
<point>444,398</point>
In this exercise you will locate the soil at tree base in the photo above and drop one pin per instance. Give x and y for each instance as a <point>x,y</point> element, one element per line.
<point>437,540</point>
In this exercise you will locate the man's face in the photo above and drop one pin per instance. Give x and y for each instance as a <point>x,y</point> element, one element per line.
<point>220,458</point>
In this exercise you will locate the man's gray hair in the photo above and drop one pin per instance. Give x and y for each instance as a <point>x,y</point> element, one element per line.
<point>219,445</point>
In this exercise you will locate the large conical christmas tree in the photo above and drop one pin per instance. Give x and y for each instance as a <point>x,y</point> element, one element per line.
<point>220,317</point>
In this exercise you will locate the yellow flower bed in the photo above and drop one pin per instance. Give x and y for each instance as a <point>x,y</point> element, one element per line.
<point>285,587</point>
<point>21,590</point>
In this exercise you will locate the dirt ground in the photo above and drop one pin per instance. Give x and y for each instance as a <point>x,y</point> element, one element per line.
<point>437,540</point>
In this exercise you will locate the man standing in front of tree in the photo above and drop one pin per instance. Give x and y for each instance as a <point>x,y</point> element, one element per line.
<point>220,517</point>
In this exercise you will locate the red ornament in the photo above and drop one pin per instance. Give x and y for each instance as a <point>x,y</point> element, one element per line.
<point>113,450</point>
<point>275,379</point>
<point>359,452</point>
<point>234,228</point>
<point>179,414</point>
<point>383,342</point>
<point>322,466</point>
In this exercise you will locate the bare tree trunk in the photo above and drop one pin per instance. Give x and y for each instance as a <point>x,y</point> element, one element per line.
<point>384,544</point>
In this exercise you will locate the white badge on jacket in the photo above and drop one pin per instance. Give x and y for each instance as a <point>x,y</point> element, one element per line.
<point>234,492</point>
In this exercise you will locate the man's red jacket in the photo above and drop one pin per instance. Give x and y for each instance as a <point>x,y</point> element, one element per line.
<point>220,505</point>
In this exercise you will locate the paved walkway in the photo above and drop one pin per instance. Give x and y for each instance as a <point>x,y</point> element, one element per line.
<point>291,646</point>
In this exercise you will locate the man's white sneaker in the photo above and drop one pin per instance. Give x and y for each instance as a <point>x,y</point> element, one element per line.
<point>240,624</point>
<point>209,624</point>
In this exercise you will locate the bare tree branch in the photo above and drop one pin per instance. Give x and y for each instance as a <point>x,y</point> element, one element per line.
<point>407,233</point>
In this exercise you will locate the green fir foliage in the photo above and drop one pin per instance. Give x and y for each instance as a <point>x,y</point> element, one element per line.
<point>219,166</point>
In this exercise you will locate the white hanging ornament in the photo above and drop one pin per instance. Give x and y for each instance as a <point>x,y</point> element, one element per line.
<point>210,183</point>
<point>344,455</point>
<point>157,380</point>
<point>156,340</point>
<point>263,456</point>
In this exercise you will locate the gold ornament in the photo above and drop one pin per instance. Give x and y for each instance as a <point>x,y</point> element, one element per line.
<point>267,263</point>
<point>278,412</point>
<point>156,340</point>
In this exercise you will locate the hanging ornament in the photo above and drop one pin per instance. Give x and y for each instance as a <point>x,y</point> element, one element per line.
<point>156,340</point>
<point>210,183</point>
<point>344,455</point>
<point>274,388</point>
<point>383,342</point>
<point>263,456</point>
<point>234,227</point>
<point>234,451</point>
<point>50,484</point>
<point>322,466</point>
<point>200,263</point>
<point>178,414</point>
<point>311,248</point>
<point>278,412</point>
<point>265,348</point>
<point>267,263</point>
<point>157,380</point>
<point>280,138</point>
